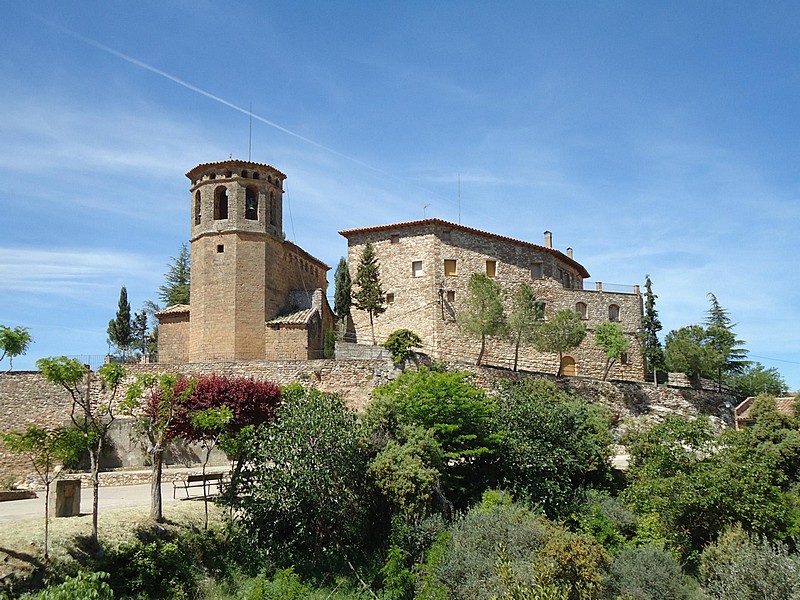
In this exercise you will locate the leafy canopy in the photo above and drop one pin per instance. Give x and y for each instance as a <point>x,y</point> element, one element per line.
<point>610,338</point>
<point>483,315</point>
<point>177,279</point>
<point>564,332</point>
<point>13,342</point>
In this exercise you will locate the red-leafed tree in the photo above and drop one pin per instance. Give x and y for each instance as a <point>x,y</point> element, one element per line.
<point>225,410</point>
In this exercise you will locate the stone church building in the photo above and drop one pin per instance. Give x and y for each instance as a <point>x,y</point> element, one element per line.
<point>425,267</point>
<point>254,295</point>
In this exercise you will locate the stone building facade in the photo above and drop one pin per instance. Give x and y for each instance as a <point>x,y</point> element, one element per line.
<point>425,267</point>
<point>252,291</point>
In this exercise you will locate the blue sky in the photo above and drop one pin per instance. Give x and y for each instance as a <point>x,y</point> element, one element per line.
<point>653,138</point>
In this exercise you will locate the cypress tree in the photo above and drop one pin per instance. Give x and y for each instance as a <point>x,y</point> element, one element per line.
<point>369,295</point>
<point>651,325</point>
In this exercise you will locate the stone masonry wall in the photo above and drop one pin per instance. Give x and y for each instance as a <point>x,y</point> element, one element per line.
<point>26,398</point>
<point>428,302</point>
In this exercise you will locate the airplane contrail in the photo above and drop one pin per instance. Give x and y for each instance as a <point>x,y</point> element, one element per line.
<point>215,98</point>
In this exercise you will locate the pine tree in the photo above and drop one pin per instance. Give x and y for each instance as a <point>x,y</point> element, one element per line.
<point>176,285</point>
<point>484,314</point>
<point>343,290</point>
<point>369,295</point>
<point>524,317</point>
<point>651,325</point>
<point>731,356</point>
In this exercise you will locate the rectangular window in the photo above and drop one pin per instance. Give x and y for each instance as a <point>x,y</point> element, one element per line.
<point>395,238</point>
<point>491,268</point>
<point>389,298</point>
<point>449,267</point>
<point>446,235</point>
<point>451,296</point>
<point>220,248</point>
<point>624,358</point>
<point>536,270</point>
<point>416,268</point>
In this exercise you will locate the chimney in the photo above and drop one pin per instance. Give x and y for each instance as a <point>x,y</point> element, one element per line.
<point>569,252</point>
<point>548,239</point>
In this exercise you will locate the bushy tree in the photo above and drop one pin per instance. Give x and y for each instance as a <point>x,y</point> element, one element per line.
<point>483,316</point>
<point>564,332</point>
<point>610,338</point>
<point>157,400</point>
<point>306,499</point>
<point>647,572</point>
<point>739,566</point>
<point>400,345</point>
<point>495,547</point>
<point>525,315</point>
<point>687,352</point>
<point>553,446</point>
<point>695,483</point>
<point>756,379</point>
<point>651,325</point>
<point>91,413</point>
<point>177,279</point>
<point>45,448</point>
<point>459,415</point>
<point>119,328</point>
<point>368,295</point>
<point>13,342</point>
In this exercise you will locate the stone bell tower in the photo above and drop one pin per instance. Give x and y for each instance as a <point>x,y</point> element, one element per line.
<point>237,251</point>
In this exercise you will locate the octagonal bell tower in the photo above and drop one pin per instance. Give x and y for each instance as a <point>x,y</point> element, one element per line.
<point>236,248</point>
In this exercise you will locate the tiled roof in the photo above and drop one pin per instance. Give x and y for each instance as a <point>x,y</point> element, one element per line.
<point>301,317</point>
<point>174,309</point>
<point>561,256</point>
<point>231,163</point>
<point>784,405</point>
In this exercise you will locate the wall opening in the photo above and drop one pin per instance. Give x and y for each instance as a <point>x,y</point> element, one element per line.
<point>220,204</point>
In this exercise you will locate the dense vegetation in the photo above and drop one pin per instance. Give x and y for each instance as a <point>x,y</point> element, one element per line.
<point>443,491</point>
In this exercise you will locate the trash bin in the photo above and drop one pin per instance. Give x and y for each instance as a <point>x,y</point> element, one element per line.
<point>68,498</point>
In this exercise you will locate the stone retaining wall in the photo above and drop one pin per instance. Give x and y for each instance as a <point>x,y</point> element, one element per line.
<point>26,398</point>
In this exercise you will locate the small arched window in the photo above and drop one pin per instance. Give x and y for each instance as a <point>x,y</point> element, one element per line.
<point>251,204</point>
<point>581,309</point>
<point>273,210</point>
<point>256,175</point>
<point>220,203</point>
<point>613,312</point>
<point>228,173</point>
<point>197,208</point>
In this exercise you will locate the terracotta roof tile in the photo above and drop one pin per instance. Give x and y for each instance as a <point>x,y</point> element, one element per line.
<point>192,174</point>
<point>174,309</point>
<point>561,256</point>
<point>301,317</point>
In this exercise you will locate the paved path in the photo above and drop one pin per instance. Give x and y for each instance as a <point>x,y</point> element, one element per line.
<point>110,497</point>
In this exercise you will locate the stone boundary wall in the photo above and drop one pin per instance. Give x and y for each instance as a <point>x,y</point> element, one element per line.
<point>26,398</point>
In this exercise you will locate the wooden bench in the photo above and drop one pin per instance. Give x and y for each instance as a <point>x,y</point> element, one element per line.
<point>199,481</point>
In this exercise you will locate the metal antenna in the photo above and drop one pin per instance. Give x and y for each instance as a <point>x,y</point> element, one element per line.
<point>424,213</point>
<point>459,198</point>
<point>250,137</point>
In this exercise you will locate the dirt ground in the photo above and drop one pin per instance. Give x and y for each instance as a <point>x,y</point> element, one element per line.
<point>22,541</point>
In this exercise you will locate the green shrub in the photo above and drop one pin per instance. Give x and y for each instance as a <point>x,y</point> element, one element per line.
<point>152,569</point>
<point>400,345</point>
<point>647,573</point>
<point>742,567</point>
<point>84,586</point>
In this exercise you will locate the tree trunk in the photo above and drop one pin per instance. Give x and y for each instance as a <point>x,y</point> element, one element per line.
<point>156,506</point>
<point>94,460</point>
<point>609,364</point>
<point>46,520</point>
<point>205,495</point>
<point>560,362</point>
<point>372,329</point>
<point>480,353</point>
<point>516,351</point>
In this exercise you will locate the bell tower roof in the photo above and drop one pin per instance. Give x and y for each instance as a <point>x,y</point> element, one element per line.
<point>232,165</point>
